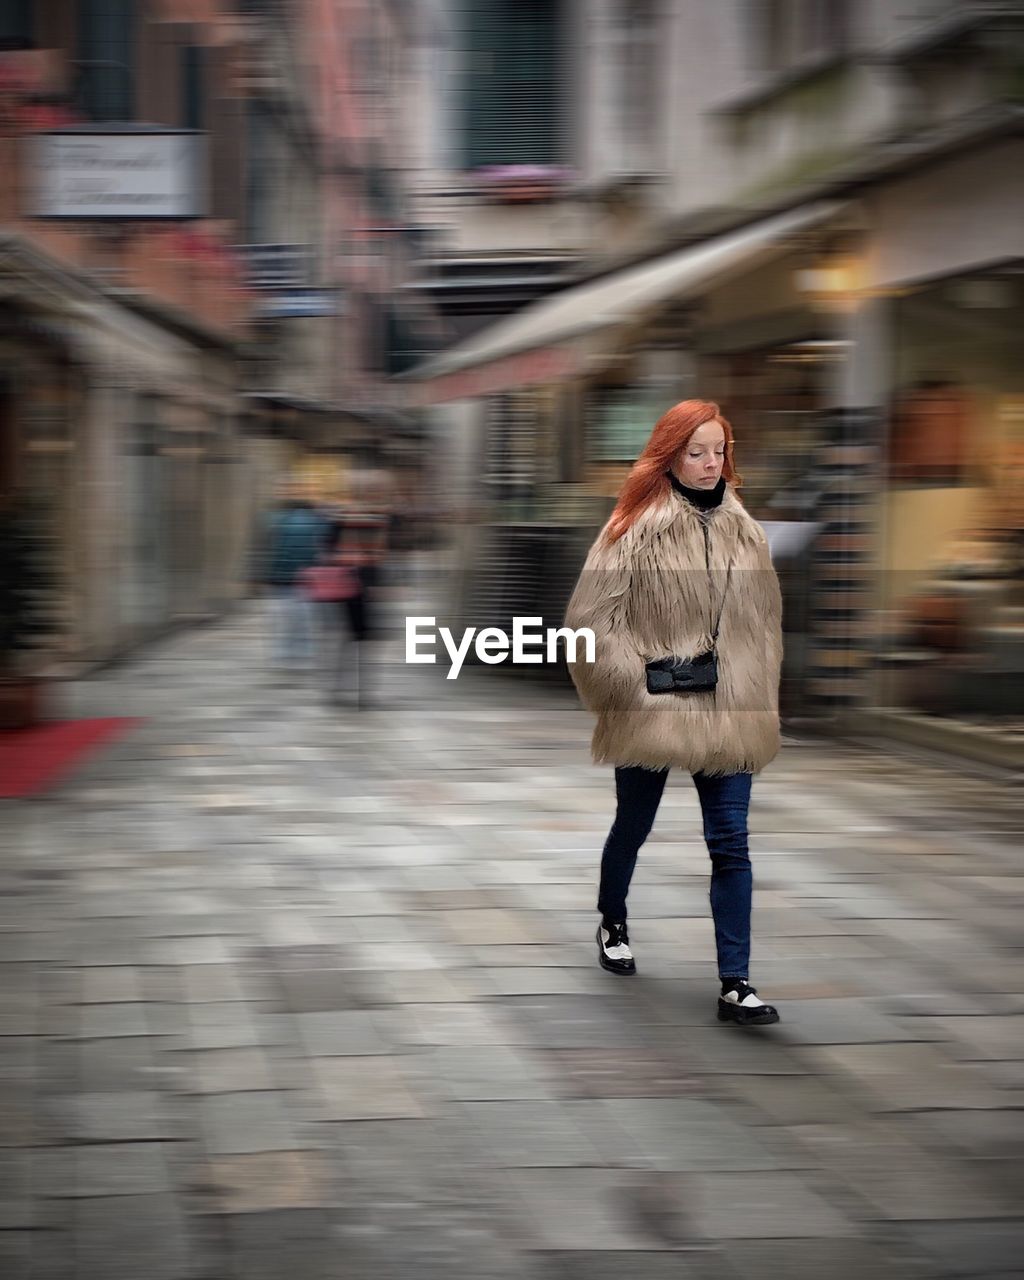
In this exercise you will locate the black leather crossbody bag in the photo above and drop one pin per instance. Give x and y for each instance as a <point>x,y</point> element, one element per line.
<point>690,675</point>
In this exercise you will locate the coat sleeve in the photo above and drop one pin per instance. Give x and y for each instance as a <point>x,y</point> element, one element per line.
<point>600,601</point>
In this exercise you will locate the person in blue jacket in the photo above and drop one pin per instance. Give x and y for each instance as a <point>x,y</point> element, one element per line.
<point>290,540</point>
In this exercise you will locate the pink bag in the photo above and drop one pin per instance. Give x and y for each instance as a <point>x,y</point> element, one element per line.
<point>325,582</point>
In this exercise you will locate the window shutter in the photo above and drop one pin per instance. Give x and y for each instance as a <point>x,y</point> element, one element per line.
<point>16,30</point>
<point>511,93</point>
<point>106,54</point>
<point>193,86</point>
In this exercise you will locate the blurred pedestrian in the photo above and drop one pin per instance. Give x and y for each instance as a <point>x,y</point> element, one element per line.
<point>358,538</point>
<point>289,543</point>
<point>684,602</point>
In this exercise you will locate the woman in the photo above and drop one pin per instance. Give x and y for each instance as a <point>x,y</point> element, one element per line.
<point>681,570</point>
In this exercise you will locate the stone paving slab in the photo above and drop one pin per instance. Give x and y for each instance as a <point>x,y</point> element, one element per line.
<point>687,1135</point>
<point>101,1169</point>
<point>244,1123</point>
<point>959,1250</point>
<point>116,1117</point>
<point>109,985</point>
<point>349,1033</point>
<point>265,1182</point>
<point>364,1088</point>
<point>814,1259</point>
<point>489,1074</point>
<point>695,1263</point>
<point>606,1210</point>
<point>232,1070</point>
<point>291,991</point>
<point>539,1135</point>
<point>115,1240</point>
<point>298,1243</point>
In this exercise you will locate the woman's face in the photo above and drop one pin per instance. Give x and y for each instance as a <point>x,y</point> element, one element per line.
<point>699,463</point>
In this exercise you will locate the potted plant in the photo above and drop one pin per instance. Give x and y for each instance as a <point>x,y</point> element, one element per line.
<point>26,615</point>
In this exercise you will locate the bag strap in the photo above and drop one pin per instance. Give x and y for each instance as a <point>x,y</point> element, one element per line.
<point>721,607</point>
<point>711,588</point>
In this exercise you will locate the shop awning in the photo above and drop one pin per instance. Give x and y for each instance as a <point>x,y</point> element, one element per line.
<point>538,344</point>
<point>101,331</point>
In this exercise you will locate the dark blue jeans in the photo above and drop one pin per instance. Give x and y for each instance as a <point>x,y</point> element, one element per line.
<point>724,802</point>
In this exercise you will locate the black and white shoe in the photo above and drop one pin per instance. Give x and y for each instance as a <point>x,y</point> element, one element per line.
<point>740,1003</point>
<point>613,949</point>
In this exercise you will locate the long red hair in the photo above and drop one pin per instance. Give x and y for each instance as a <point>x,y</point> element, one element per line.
<point>647,483</point>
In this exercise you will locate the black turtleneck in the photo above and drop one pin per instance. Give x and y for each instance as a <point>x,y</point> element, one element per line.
<point>702,499</point>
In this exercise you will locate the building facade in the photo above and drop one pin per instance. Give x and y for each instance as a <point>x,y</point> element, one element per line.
<point>181,322</point>
<point>120,334</point>
<point>489,156</point>
<point>810,213</point>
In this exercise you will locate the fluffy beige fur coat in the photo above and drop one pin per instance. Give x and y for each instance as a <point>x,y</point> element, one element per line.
<point>650,595</point>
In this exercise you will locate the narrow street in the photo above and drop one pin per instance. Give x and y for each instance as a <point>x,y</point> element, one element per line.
<point>291,991</point>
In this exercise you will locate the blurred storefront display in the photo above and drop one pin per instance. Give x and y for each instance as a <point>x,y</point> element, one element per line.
<point>930,426</point>
<point>182,322</point>
<point>38,404</point>
<point>953,526</point>
<point>823,236</point>
<point>776,398</point>
<point>123,430</point>
<point>879,442</point>
<point>553,450</point>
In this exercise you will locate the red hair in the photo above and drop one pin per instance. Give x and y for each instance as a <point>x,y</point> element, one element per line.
<point>648,483</point>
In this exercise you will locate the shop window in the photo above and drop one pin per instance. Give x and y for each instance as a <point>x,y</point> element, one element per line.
<point>776,400</point>
<point>952,641</point>
<point>930,429</point>
<point>620,423</point>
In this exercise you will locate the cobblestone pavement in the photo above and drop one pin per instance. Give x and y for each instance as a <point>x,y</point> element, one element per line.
<point>288,991</point>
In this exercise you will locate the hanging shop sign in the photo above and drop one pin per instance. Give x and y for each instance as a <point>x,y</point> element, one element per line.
<point>124,173</point>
